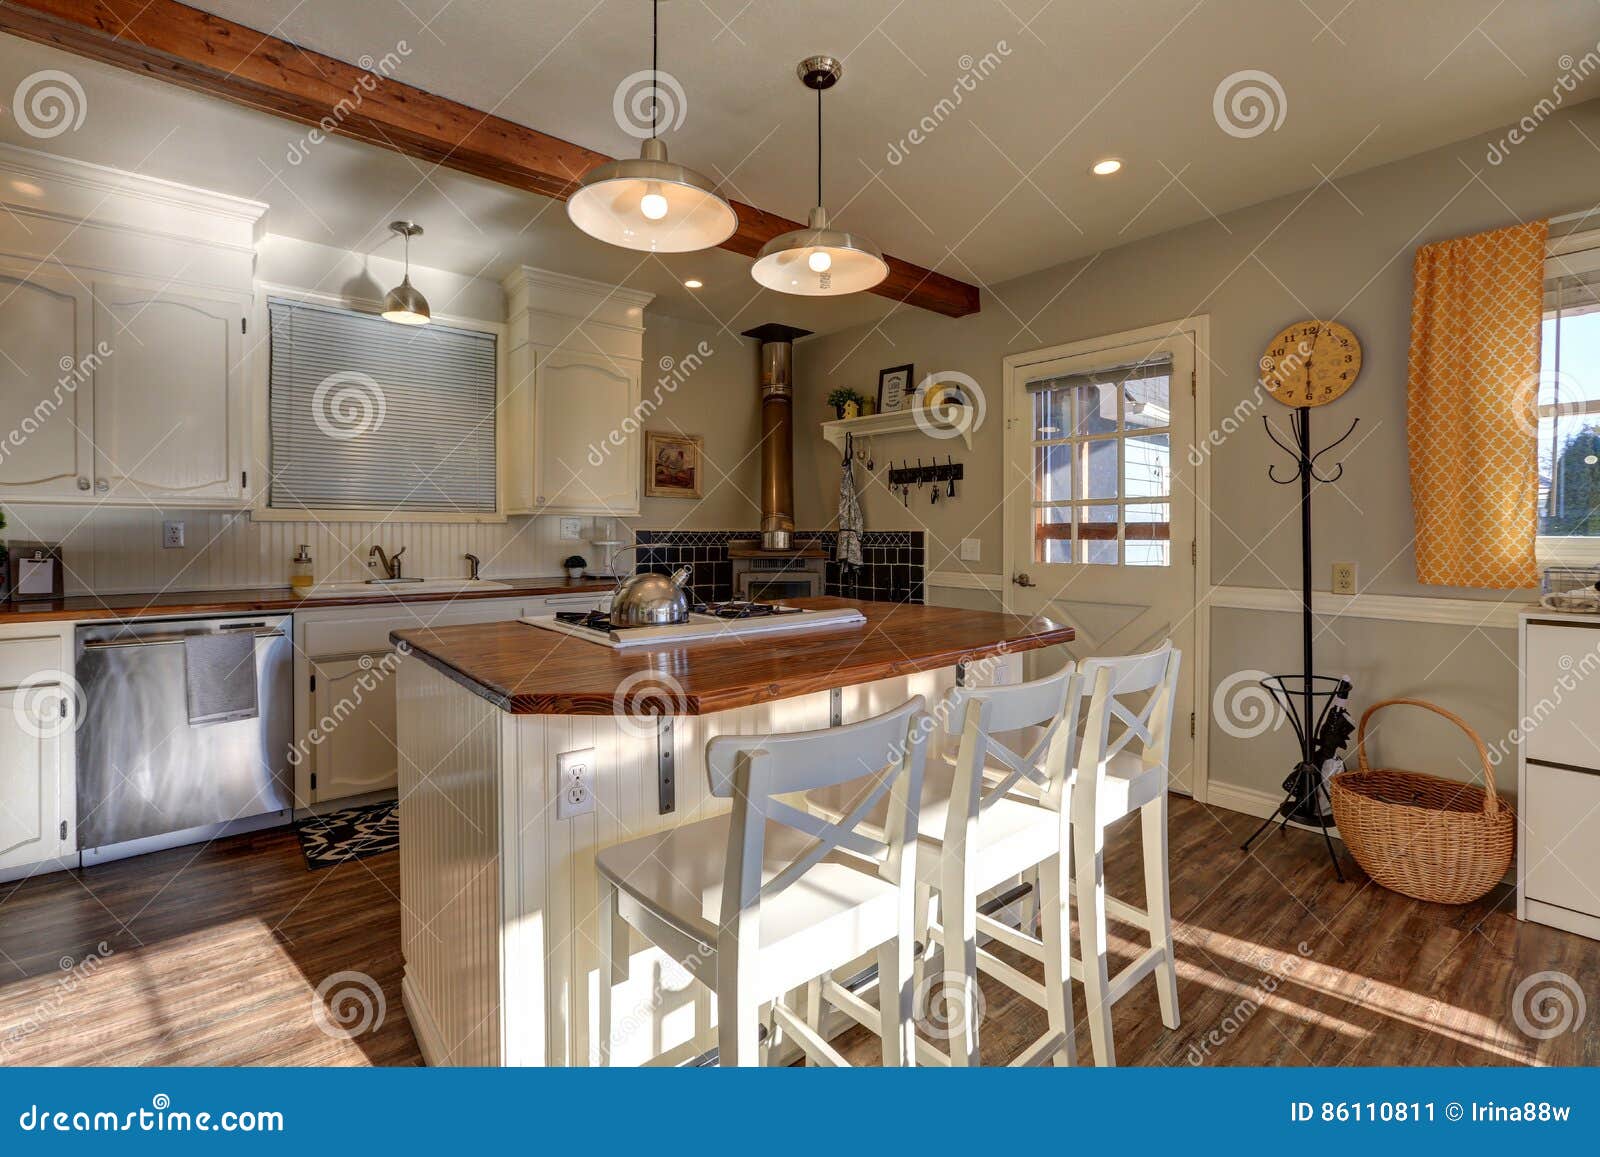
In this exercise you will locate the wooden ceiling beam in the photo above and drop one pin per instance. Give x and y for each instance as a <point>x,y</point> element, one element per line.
<point>196,50</point>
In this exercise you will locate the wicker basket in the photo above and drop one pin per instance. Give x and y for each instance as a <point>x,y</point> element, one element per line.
<point>1430,838</point>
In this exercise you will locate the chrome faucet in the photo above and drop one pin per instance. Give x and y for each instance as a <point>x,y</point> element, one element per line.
<point>473,563</point>
<point>388,566</point>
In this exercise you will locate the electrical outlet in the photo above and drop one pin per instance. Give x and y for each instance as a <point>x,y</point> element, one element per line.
<point>572,528</point>
<point>1344,578</point>
<point>574,780</point>
<point>171,535</point>
<point>971,550</point>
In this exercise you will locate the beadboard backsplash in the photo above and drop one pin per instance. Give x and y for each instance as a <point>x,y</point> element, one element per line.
<point>110,550</point>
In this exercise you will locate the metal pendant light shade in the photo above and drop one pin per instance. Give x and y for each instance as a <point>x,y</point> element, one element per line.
<point>404,304</point>
<point>819,261</point>
<point>651,204</point>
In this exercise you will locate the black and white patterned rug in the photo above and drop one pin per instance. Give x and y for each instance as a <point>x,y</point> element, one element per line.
<point>350,834</point>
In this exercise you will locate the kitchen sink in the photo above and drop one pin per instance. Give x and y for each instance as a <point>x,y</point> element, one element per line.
<point>403,587</point>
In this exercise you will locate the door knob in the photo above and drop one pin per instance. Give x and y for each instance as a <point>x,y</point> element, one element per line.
<point>1022,579</point>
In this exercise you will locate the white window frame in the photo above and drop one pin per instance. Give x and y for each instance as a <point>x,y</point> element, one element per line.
<point>1568,254</point>
<point>258,367</point>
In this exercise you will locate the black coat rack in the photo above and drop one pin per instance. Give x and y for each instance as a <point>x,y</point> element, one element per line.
<point>1321,732</point>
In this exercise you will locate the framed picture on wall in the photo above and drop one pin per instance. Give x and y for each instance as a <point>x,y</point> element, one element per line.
<point>894,389</point>
<point>672,464</point>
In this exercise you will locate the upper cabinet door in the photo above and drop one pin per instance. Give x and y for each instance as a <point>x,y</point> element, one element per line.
<point>46,387</point>
<point>588,434</point>
<point>169,404</point>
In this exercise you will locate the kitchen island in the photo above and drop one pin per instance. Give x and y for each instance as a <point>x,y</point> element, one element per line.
<point>498,890</point>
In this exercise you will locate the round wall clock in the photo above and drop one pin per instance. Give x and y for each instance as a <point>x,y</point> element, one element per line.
<point>1310,363</point>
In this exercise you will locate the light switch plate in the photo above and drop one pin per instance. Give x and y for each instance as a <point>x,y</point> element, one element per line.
<point>574,783</point>
<point>971,550</point>
<point>171,535</point>
<point>1344,578</point>
<point>572,528</point>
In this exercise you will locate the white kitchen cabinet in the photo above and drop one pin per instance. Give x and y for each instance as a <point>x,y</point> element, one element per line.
<point>169,401</point>
<point>356,753</point>
<point>36,793</point>
<point>1558,773</point>
<point>581,402</point>
<point>46,388</point>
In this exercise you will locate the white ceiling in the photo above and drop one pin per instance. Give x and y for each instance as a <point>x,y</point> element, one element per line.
<point>999,187</point>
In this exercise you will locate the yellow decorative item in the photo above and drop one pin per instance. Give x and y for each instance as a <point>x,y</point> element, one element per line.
<point>852,409</point>
<point>1472,385</point>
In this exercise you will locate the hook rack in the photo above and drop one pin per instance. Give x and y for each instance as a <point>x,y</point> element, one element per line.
<point>920,475</point>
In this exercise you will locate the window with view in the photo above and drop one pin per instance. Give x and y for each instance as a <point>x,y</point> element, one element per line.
<point>1569,393</point>
<point>1102,446</point>
<point>369,415</point>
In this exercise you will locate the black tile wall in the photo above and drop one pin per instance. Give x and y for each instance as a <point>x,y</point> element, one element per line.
<point>893,562</point>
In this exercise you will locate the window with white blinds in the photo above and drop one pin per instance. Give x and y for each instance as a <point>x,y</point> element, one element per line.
<point>369,415</point>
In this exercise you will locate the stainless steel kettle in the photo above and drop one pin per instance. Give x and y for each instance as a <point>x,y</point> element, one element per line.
<point>651,600</point>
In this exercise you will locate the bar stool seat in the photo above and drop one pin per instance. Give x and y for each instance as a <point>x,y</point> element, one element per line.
<point>677,876</point>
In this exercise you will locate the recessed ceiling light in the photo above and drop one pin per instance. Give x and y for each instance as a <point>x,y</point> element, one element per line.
<point>693,283</point>
<point>1106,167</point>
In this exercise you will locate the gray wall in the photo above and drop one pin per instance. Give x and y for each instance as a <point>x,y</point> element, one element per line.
<point>1342,252</point>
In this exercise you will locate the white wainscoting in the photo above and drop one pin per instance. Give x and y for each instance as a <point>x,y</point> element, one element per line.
<point>1496,612</point>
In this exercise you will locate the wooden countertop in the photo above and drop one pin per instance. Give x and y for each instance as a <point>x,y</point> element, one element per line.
<point>527,670</point>
<point>263,599</point>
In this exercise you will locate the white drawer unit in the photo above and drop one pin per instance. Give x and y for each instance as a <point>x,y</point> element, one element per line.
<point>1558,772</point>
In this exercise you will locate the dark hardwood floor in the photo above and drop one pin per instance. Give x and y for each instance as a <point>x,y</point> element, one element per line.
<point>215,955</point>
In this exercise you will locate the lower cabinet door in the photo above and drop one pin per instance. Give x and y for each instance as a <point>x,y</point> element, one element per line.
<point>353,726</point>
<point>1561,838</point>
<point>33,821</point>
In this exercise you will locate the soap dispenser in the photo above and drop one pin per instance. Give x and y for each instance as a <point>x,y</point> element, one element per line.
<point>300,577</point>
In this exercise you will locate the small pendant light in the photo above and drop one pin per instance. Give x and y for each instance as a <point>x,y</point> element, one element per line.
<point>651,204</point>
<point>405,304</point>
<point>818,261</point>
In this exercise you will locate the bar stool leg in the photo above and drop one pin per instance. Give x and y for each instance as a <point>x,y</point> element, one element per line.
<point>920,988</point>
<point>894,1004</point>
<point>958,913</point>
<point>738,1011</point>
<point>608,971</point>
<point>1158,902</point>
<point>1090,855</point>
<point>1056,923</point>
<point>816,1009</point>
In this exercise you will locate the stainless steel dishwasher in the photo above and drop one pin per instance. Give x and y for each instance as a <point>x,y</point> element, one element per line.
<point>147,778</point>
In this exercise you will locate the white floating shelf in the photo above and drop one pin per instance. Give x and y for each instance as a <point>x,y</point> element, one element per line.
<point>897,422</point>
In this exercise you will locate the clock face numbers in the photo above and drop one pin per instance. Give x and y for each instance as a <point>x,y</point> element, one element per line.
<point>1310,363</point>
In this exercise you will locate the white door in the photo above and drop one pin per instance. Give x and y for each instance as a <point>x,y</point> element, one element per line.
<point>354,716</point>
<point>46,389</point>
<point>168,401</point>
<point>34,825</point>
<point>584,405</point>
<point>1100,500</point>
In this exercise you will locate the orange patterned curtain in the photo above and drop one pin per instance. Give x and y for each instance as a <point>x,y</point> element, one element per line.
<point>1472,388</point>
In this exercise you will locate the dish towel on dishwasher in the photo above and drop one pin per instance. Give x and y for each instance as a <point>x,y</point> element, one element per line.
<point>221,677</point>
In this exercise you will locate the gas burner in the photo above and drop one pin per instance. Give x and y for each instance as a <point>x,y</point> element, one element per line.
<point>742,609</point>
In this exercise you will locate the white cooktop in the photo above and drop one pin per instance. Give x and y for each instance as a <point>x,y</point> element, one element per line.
<point>700,627</point>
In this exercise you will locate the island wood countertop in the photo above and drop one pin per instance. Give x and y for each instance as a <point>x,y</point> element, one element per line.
<point>527,670</point>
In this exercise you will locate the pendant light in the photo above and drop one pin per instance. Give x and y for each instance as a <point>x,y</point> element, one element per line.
<point>404,304</point>
<point>651,204</point>
<point>818,261</point>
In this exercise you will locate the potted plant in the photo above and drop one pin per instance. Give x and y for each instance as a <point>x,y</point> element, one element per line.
<point>575,565</point>
<point>846,402</point>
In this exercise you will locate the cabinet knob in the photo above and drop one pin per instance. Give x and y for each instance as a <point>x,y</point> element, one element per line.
<point>1023,579</point>
<point>101,486</point>
<point>538,499</point>
<point>83,483</point>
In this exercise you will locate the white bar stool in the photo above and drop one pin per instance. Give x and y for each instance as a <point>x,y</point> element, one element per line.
<point>989,815</point>
<point>1117,776</point>
<point>771,896</point>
